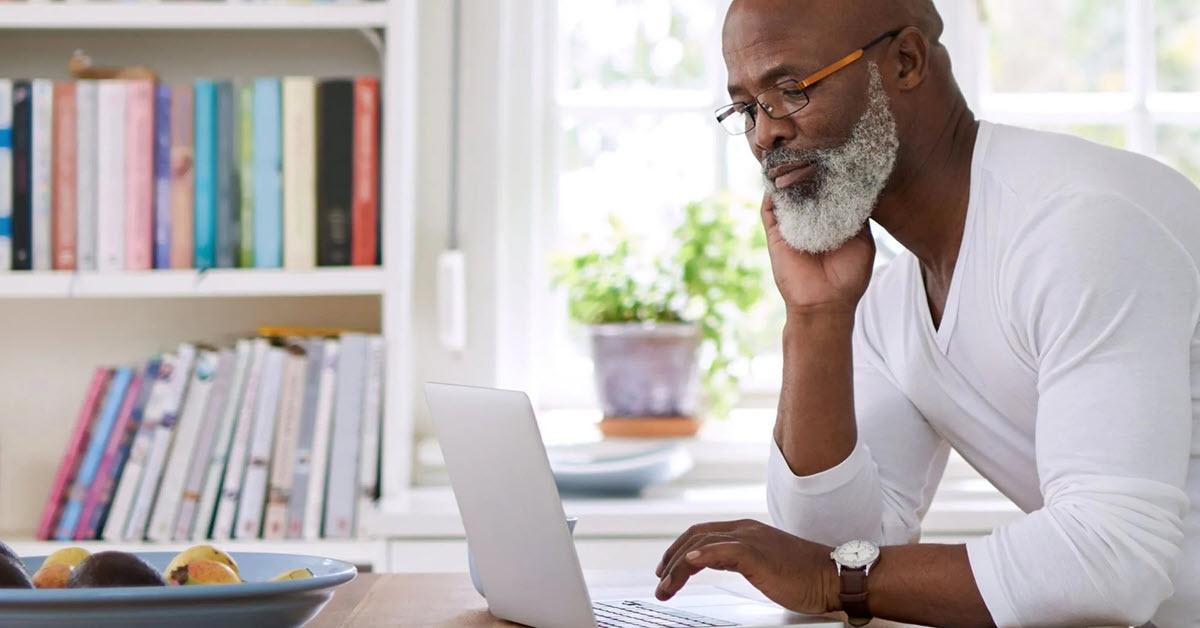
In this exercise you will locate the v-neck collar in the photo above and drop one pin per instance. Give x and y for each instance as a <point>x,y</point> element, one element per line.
<point>941,334</point>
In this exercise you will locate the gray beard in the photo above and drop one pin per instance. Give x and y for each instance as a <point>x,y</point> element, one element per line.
<point>825,212</point>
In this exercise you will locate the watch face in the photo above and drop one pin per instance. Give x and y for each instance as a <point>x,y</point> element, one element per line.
<point>857,554</point>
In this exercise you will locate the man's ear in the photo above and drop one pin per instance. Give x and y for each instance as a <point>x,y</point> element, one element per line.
<point>911,49</point>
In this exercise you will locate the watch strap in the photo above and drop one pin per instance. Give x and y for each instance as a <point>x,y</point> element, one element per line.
<point>854,596</point>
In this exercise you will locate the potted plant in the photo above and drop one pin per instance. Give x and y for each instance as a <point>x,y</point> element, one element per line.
<point>664,327</point>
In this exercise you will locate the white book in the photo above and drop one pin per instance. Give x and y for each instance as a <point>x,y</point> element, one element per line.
<point>207,506</point>
<point>368,457</point>
<point>314,503</point>
<point>197,468</point>
<point>164,428</point>
<point>287,432</point>
<point>6,181</point>
<point>239,447</point>
<point>341,493</point>
<point>254,485</point>
<point>302,464</point>
<point>110,176</point>
<point>299,172</point>
<point>131,473</point>
<point>41,165</point>
<point>85,173</point>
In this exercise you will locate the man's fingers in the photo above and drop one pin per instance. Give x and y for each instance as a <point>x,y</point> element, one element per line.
<point>700,528</point>
<point>722,555</point>
<point>768,212</point>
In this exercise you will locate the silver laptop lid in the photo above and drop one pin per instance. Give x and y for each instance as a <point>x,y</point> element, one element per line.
<point>510,507</point>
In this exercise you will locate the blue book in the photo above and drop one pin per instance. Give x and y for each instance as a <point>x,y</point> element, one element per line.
<point>205,220</point>
<point>268,175</point>
<point>95,451</point>
<point>162,176</point>
<point>6,191</point>
<point>229,193</point>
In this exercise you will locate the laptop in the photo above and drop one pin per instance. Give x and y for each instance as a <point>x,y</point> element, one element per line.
<point>515,524</point>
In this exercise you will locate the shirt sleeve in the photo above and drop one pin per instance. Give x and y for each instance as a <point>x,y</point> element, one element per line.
<point>883,488</point>
<point>1106,300</point>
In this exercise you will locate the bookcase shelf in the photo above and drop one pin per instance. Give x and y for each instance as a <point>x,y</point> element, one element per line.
<point>192,16</point>
<point>192,283</point>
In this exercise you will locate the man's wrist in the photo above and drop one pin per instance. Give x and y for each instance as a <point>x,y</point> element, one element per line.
<point>833,586</point>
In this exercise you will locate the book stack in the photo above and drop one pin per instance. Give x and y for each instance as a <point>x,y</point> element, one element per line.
<point>273,438</point>
<point>120,175</point>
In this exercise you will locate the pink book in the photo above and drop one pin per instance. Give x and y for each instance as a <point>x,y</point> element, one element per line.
<point>101,490</point>
<point>62,201</point>
<point>74,454</point>
<point>139,175</point>
<point>183,141</point>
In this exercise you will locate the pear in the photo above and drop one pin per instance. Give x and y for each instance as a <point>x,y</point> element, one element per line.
<point>13,574</point>
<point>52,576</point>
<point>203,572</point>
<point>295,574</point>
<point>114,569</point>
<point>201,552</point>
<point>69,556</point>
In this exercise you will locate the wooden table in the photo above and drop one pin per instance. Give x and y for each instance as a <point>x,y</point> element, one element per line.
<point>435,600</point>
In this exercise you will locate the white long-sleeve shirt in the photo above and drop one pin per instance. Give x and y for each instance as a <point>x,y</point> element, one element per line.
<point>1066,370</point>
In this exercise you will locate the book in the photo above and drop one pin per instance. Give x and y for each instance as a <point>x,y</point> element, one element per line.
<point>181,446</point>
<point>110,176</point>
<point>162,176</point>
<point>139,175</point>
<point>130,480</point>
<point>342,490</point>
<point>314,513</point>
<point>69,464</point>
<point>206,509</point>
<point>96,507</point>
<point>205,205</point>
<point>110,410</point>
<point>239,446</point>
<point>86,157</point>
<point>291,402</point>
<point>41,169</point>
<point>368,460</point>
<point>193,483</point>
<point>6,191</point>
<point>335,152</point>
<point>183,175</point>
<point>299,172</point>
<point>63,210</point>
<point>254,485</point>
<point>162,429</point>
<point>22,144</point>
<point>228,193</point>
<point>305,432</point>
<point>246,173</point>
<point>268,183</point>
<point>364,237</point>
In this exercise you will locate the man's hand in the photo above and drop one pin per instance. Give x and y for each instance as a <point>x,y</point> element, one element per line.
<point>834,280</point>
<point>793,573</point>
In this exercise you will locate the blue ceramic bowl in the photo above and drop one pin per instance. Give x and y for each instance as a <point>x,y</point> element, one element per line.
<point>257,602</point>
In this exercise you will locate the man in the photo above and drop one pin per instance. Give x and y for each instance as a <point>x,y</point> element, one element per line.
<point>1043,324</point>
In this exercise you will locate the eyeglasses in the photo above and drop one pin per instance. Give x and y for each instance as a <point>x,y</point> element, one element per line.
<point>784,99</point>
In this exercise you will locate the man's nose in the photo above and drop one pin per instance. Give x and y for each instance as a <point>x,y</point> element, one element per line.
<point>770,134</point>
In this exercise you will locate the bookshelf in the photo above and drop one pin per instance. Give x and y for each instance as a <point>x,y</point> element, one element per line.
<point>60,325</point>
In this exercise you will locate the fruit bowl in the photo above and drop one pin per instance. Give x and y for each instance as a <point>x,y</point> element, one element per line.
<point>257,602</point>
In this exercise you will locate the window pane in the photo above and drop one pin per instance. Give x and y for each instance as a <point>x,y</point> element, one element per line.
<point>1060,46</point>
<point>637,43</point>
<point>1178,40</point>
<point>1180,147</point>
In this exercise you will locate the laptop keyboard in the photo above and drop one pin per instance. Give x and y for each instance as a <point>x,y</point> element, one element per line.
<point>631,614</point>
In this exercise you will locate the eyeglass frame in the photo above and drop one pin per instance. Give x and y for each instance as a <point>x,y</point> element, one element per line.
<point>802,85</point>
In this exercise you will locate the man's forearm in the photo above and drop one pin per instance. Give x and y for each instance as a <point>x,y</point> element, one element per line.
<point>815,426</point>
<point>930,585</point>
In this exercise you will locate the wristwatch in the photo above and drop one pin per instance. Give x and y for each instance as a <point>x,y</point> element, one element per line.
<point>854,561</point>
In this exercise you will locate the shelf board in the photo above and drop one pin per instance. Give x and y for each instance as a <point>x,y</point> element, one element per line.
<point>192,283</point>
<point>191,15</point>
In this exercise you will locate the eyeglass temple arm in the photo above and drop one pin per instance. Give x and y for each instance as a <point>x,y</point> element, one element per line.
<point>844,61</point>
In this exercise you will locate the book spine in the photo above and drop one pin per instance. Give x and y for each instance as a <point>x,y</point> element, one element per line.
<point>162,176</point>
<point>51,514</point>
<point>268,184</point>
<point>368,461</point>
<point>91,503</point>
<point>254,485</point>
<point>139,175</point>
<point>183,175</point>
<point>110,411</point>
<point>364,239</point>
<point>314,508</point>
<point>22,144</point>
<point>6,191</point>
<point>246,173</point>
<point>235,467</point>
<point>335,152</point>
<point>228,196</point>
<point>286,437</point>
<point>206,175</point>
<point>110,176</point>
<point>189,501</point>
<point>302,465</point>
<point>214,478</point>
<point>41,171</point>
<point>342,492</point>
<point>63,209</point>
<point>300,173</point>
<point>85,174</point>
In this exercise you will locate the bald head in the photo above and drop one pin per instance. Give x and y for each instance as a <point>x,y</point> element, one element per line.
<point>852,18</point>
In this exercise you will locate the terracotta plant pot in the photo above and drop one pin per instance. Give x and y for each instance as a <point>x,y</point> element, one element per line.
<point>646,369</point>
